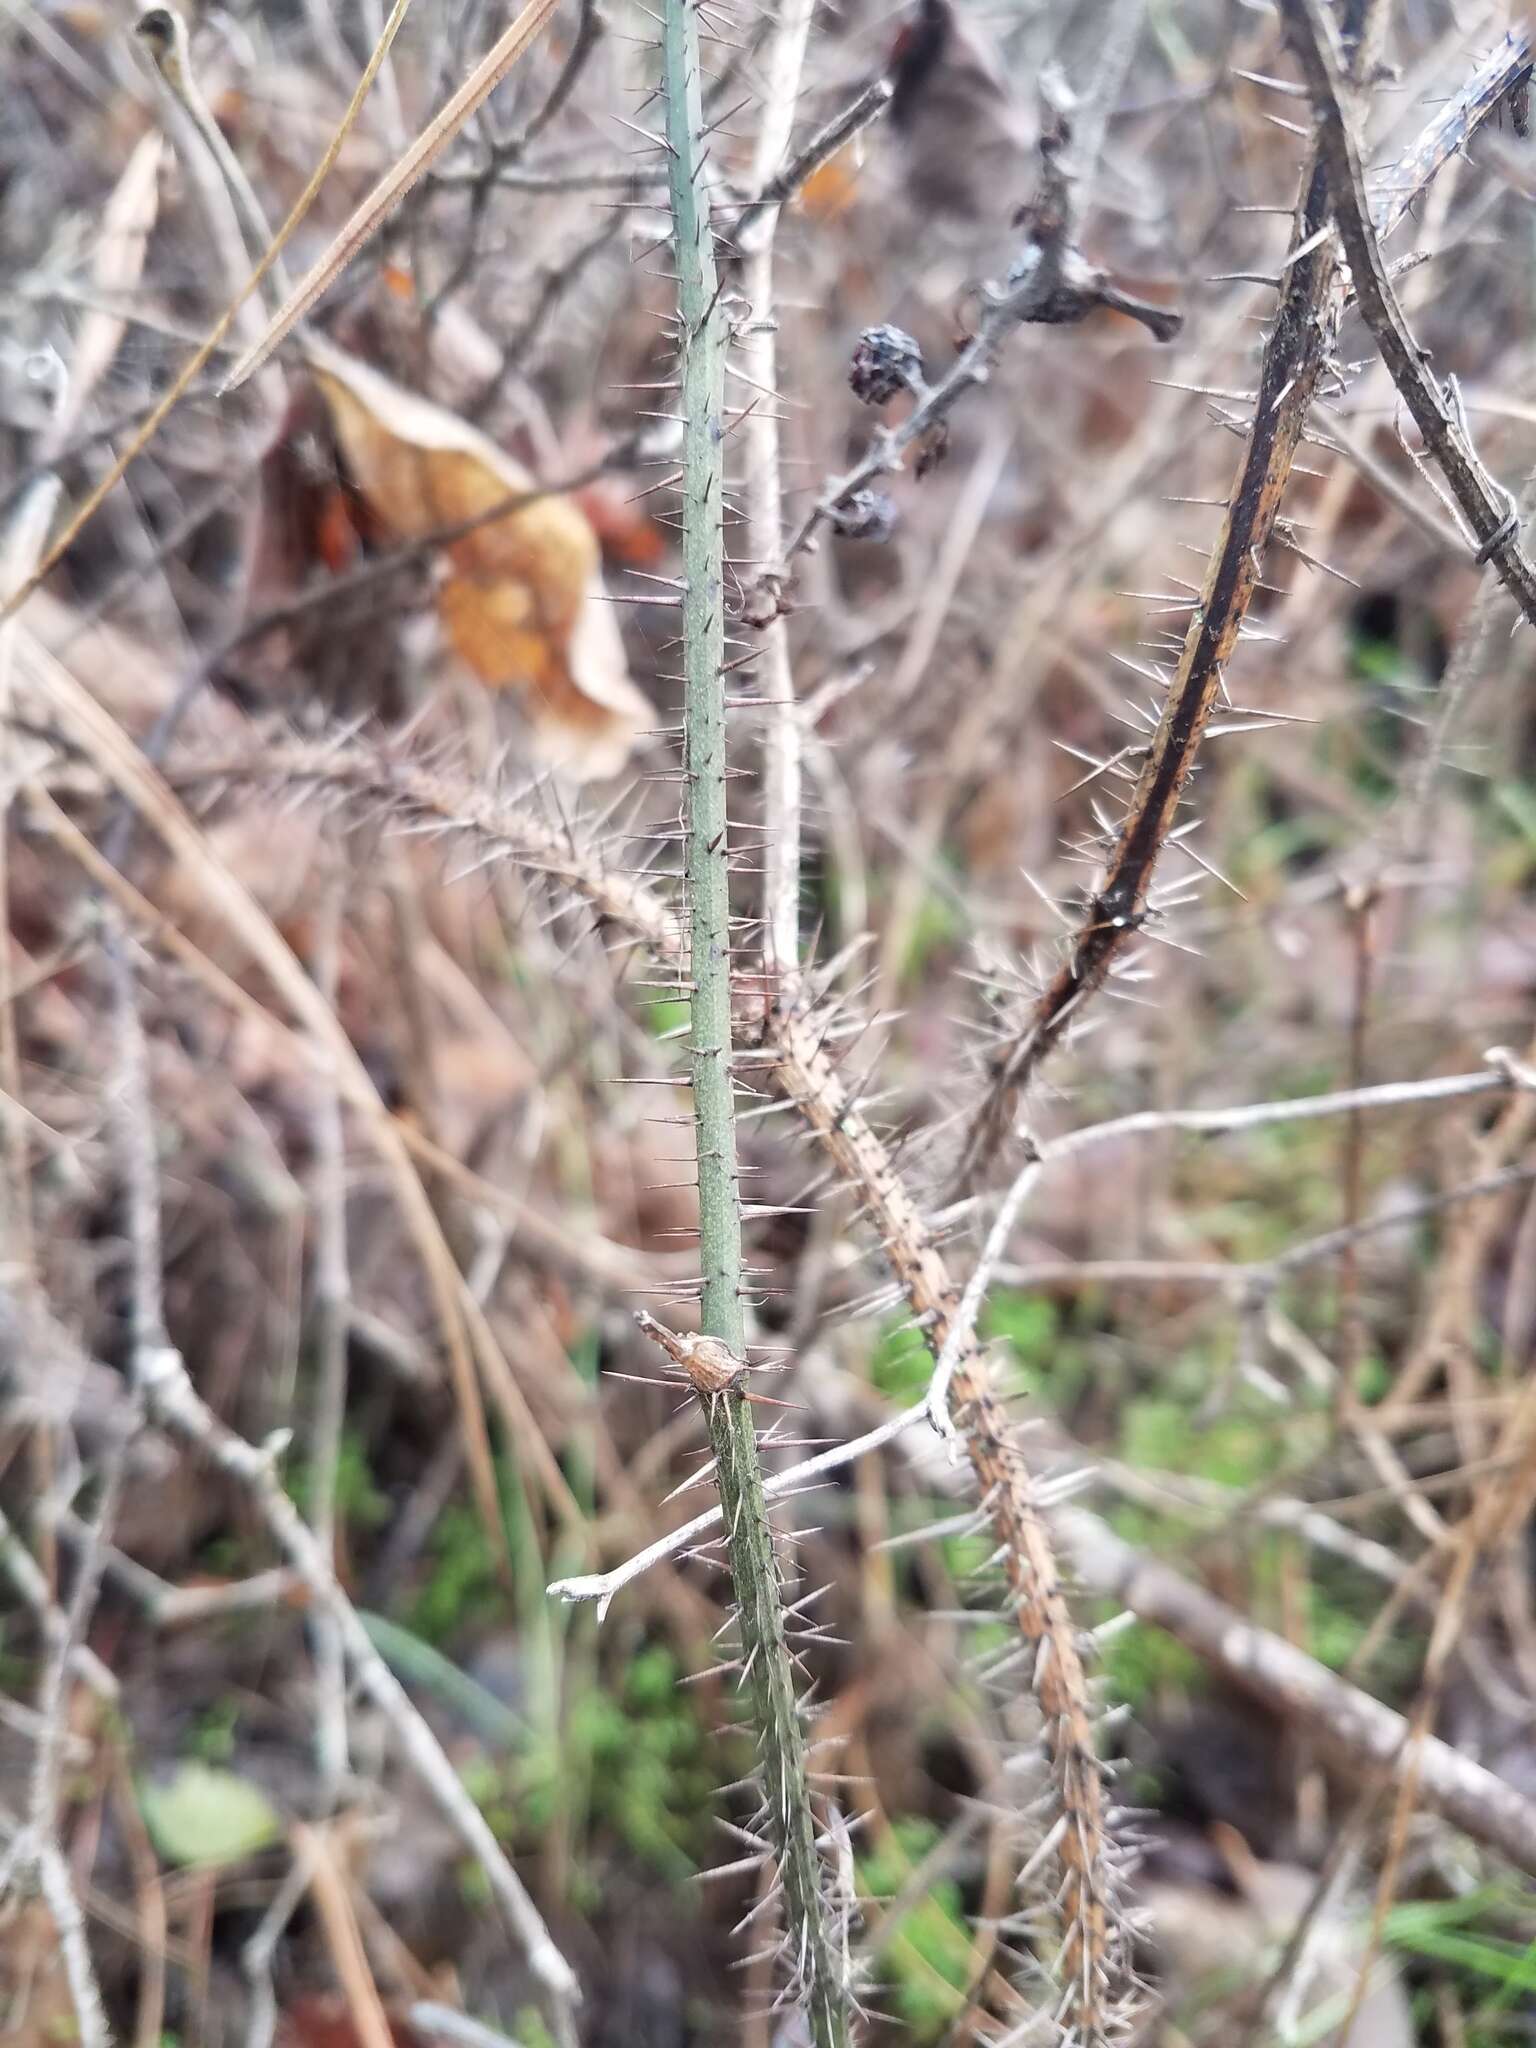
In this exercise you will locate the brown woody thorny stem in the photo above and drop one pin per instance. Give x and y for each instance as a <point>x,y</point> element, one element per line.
<point>1090,1961</point>
<point>1085,1879</point>
<point>1353,1722</point>
<point>1299,347</point>
<point>1090,1966</point>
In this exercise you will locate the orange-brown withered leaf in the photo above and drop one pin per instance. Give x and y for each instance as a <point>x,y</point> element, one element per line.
<point>522,603</point>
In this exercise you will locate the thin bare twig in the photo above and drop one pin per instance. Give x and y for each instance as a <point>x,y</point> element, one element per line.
<point>764,501</point>
<point>370,214</point>
<point>1489,508</point>
<point>444,2024</point>
<point>256,1956</point>
<point>590,28</point>
<point>602,1586</point>
<point>1253,1281</point>
<point>31,1587</point>
<point>1050,282</point>
<point>162,31</point>
<point>1358,1728</point>
<point>852,120</point>
<point>58,1890</point>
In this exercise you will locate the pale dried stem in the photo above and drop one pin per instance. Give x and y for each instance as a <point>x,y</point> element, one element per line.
<point>1355,1727</point>
<point>31,1587</point>
<point>330,1316</point>
<point>602,1586</point>
<point>21,548</point>
<point>58,1890</point>
<point>442,2023</point>
<point>1251,1283</point>
<point>256,1956</point>
<point>758,348</point>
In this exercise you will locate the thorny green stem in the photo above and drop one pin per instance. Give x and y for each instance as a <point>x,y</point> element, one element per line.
<point>768,1664</point>
<point>702,344</point>
<point>1090,1958</point>
<point>814,1953</point>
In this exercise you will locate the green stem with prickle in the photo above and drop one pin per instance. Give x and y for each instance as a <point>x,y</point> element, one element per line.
<point>813,1951</point>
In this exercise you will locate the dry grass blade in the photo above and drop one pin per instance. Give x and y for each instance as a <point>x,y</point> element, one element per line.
<point>182,382</point>
<point>328,1886</point>
<point>392,187</point>
<point>126,769</point>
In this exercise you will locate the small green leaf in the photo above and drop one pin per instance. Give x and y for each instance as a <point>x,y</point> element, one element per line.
<point>203,1815</point>
<point>1517,800</point>
<point>670,1017</point>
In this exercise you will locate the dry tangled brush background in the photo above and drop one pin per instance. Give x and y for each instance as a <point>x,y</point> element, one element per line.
<point>339,1060</point>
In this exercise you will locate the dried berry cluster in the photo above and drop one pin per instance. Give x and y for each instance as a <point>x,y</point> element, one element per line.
<point>886,362</point>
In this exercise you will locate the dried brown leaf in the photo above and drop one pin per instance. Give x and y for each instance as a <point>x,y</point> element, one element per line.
<point>523,603</point>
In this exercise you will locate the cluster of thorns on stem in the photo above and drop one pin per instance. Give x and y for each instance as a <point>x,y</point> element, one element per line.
<point>1051,283</point>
